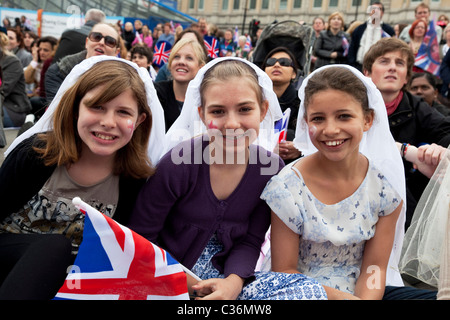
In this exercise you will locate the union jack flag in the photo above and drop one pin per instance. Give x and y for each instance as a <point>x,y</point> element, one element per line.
<point>281,125</point>
<point>236,35</point>
<point>162,52</point>
<point>427,57</point>
<point>115,263</point>
<point>345,45</point>
<point>212,45</point>
<point>248,44</point>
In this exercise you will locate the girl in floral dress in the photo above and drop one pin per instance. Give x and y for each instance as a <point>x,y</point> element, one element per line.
<point>334,212</point>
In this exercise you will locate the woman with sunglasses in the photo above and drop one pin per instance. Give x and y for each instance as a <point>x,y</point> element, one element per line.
<point>281,67</point>
<point>102,40</point>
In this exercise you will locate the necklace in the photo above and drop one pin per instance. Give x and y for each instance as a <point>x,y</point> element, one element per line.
<point>415,46</point>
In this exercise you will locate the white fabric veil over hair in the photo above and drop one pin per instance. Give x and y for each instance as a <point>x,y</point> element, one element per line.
<point>158,128</point>
<point>189,124</point>
<point>378,146</point>
<point>425,238</point>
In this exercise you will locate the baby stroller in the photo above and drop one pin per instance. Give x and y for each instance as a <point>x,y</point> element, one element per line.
<point>289,34</point>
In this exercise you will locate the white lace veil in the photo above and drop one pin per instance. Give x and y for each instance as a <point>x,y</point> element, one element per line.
<point>158,128</point>
<point>425,238</point>
<point>189,124</point>
<point>378,146</point>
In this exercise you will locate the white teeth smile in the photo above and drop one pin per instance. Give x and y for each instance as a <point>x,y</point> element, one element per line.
<point>181,70</point>
<point>103,137</point>
<point>234,137</point>
<point>334,143</point>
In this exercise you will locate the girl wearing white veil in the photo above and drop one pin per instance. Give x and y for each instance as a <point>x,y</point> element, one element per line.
<point>189,124</point>
<point>155,149</point>
<point>91,143</point>
<point>206,210</point>
<point>337,226</point>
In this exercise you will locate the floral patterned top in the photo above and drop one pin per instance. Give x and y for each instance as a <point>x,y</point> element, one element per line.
<point>332,237</point>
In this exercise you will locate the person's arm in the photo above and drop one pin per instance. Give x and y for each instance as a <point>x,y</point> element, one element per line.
<point>372,279</point>
<point>425,158</point>
<point>219,289</point>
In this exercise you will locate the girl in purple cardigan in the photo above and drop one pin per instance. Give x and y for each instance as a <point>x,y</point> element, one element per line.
<point>203,204</point>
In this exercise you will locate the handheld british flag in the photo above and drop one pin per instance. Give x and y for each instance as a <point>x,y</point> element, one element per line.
<point>212,46</point>
<point>161,53</point>
<point>345,45</point>
<point>248,44</point>
<point>281,126</point>
<point>427,57</point>
<point>115,263</point>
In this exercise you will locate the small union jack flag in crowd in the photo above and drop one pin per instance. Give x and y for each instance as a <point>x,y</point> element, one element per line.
<point>115,263</point>
<point>281,125</point>
<point>161,53</point>
<point>212,46</point>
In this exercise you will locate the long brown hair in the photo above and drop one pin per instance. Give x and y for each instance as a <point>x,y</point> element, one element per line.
<point>63,143</point>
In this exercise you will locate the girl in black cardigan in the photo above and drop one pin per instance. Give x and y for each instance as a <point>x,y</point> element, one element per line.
<point>96,149</point>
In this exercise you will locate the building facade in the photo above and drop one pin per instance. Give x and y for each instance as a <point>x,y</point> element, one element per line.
<point>231,13</point>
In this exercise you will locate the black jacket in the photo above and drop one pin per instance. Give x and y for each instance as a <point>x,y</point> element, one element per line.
<point>171,107</point>
<point>13,92</point>
<point>57,72</point>
<point>415,122</point>
<point>326,44</point>
<point>290,99</point>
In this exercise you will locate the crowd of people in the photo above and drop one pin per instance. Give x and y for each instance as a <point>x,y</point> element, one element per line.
<point>118,116</point>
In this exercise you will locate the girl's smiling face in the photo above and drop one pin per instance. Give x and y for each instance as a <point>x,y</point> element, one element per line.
<point>233,119</point>
<point>336,123</point>
<point>106,128</point>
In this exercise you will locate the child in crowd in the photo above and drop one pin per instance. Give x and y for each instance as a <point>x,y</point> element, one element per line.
<point>93,143</point>
<point>343,199</point>
<point>203,203</point>
<point>143,57</point>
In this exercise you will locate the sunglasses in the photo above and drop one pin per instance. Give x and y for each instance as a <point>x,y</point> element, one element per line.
<point>97,37</point>
<point>284,62</point>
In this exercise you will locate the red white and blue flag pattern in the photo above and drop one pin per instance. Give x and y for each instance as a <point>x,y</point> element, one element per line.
<point>115,263</point>
<point>161,53</point>
<point>212,46</point>
<point>248,44</point>
<point>281,126</point>
<point>427,57</point>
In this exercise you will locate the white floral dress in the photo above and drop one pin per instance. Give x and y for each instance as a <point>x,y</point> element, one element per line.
<point>332,237</point>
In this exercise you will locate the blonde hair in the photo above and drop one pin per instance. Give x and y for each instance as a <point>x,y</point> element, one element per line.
<point>338,14</point>
<point>63,144</point>
<point>199,51</point>
<point>4,41</point>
